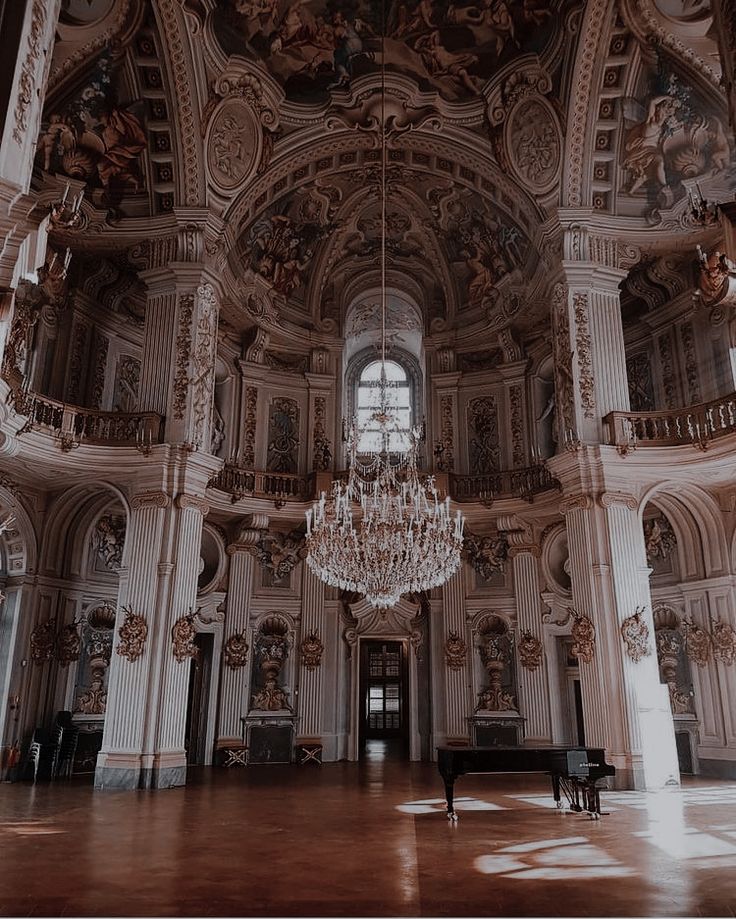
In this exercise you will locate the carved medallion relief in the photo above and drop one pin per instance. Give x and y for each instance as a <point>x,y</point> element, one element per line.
<point>234,142</point>
<point>532,144</point>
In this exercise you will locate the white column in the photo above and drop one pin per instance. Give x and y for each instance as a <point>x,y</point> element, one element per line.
<point>310,680</point>
<point>457,681</point>
<point>534,702</point>
<point>236,680</point>
<point>626,709</point>
<point>120,759</point>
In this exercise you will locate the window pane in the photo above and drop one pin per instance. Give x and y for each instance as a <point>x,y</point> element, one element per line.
<point>373,371</point>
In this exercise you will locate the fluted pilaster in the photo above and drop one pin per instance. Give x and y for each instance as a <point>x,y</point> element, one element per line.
<point>235,679</point>
<point>158,350</point>
<point>533,686</point>
<point>310,677</point>
<point>457,700</point>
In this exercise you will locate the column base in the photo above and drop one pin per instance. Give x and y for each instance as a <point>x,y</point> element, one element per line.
<point>130,771</point>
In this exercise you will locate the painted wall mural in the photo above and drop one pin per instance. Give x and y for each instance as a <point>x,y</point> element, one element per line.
<point>671,136</point>
<point>95,137</point>
<point>314,46</point>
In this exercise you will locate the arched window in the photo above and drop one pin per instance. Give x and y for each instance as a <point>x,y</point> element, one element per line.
<point>400,401</point>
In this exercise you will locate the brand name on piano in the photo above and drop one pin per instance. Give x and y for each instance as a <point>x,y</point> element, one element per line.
<point>589,765</point>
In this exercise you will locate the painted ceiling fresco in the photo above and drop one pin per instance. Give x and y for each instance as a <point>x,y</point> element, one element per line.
<point>313,46</point>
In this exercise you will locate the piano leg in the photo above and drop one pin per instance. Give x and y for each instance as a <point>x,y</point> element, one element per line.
<point>556,789</point>
<point>449,795</point>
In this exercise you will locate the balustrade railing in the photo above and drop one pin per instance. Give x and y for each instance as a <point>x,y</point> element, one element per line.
<point>510,483</point>
<point>73,425</point>
<point>278,486</point>
<point>695,424</point>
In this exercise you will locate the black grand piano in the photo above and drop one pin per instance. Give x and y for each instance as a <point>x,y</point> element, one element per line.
<point>573,770</point>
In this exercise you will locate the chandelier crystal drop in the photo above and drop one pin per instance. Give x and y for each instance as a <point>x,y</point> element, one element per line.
<point>384,532</point>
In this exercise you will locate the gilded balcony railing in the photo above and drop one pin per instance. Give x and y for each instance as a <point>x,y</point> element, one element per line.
<point>278,486</point>
<point>696,425</point>
<point>73,425</point>
<point>523,483</point>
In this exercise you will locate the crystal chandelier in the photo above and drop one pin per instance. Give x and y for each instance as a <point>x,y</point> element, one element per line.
<point>385,532</point>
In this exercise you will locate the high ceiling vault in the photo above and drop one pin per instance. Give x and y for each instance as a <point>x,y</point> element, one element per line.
<point>255,124</point>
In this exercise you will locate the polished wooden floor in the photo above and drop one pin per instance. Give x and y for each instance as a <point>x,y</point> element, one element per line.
<point>363,840</point>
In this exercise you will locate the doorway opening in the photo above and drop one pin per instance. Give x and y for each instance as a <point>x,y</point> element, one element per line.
<point>572,696</point>
<point>198,700</point>
<point>384,710</point>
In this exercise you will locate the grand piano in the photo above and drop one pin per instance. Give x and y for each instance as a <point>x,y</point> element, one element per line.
<point>573,770</point>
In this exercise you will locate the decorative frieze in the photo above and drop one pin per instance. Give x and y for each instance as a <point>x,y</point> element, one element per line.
<point>635,633</point>
<point>583,635</point>
<point>235,651</point>
<point>456,651</point>
<point>585,360</point>
<point>531,650</point>
<point>311,649</point>
<point>132,634</point>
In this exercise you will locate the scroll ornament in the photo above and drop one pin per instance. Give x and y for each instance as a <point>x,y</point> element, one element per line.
<point>236,651</point>
<point>583,634</point>
<point>530,650</point>
<point>132,633</point>
<point>635,633</point>
<point>311,650</point>
<point>455,651</point>
<point>182,635</point>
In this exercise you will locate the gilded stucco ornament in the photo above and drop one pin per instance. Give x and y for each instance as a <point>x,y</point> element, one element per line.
<point>455,651</point>
<point>132,634</point>
<point>182,635</point>
<point>723,637</point>
<point>69,644</point>
<point>583,635</point>
<point>635,633</point>
<point>531,650</point>
<point>311,649</point>
<point>697,642</point>
<point>43,641</point>
<point>235,651</point>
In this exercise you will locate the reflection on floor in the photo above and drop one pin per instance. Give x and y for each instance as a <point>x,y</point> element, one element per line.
<point>363,839</point>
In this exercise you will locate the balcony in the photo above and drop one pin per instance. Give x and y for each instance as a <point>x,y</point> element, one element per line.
<point>72,425</point>
<point>276,486</point>
<point>696,425</point>
<point>282,487</point>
